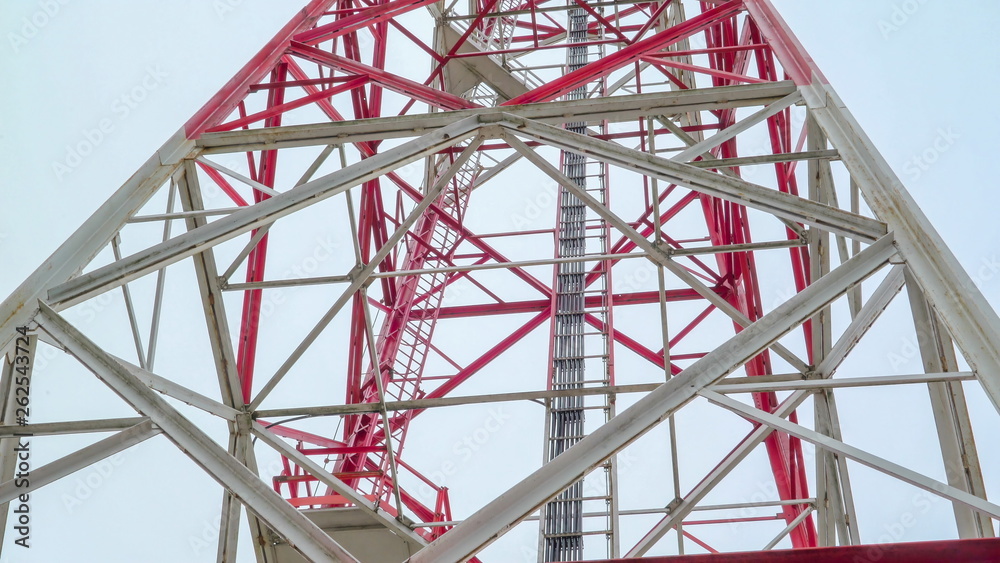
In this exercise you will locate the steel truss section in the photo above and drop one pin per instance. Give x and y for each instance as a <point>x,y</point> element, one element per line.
<point>501,514</point>
<point>698,160</point>
<point>300,531</point>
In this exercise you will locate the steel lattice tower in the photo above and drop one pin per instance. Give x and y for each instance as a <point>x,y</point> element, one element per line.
<point>697,161</point>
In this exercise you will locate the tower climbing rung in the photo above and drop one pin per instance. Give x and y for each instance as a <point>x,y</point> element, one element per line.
<point>580,233</point>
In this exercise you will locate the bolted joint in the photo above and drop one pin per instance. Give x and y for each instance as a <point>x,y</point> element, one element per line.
<point>243,422</point>
<point>672,505</point>
<point>665,249</point>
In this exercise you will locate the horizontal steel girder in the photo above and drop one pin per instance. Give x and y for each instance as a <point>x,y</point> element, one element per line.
<point>74,427</point>
<point>246,219</point>
<point>616,109</point>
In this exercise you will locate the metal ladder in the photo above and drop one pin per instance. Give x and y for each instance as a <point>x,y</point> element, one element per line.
<point>408,341</point>
<point>579,349</point>
<point>405,343</point>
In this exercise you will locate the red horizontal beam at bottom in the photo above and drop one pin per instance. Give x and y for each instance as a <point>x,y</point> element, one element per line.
<point>953,551</point>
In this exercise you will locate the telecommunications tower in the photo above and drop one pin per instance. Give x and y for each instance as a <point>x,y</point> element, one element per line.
<point>594,280</point>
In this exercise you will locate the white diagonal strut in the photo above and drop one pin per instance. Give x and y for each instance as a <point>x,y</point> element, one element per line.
<point>861,456</point>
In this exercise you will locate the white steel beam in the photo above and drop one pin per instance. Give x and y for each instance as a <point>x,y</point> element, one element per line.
<point>791,382</point>
<point>744,161</point>
<point>788,529</point>
<point>872,309</point>
<point>73,427</point>
<point>619,108</point>
<point>697,149</point>
<point>259,532</point>
<point>858,455</point>
<point>224,360</point>
<point>322,280</point>
<point>239,177</point>
<point>836,518</point>
<point>299,531</point>
<point>178,391</point>
<point>500,515</point>
<point>48,473</point>
<point>212,302</point>
<point>843,383</point>
<point>951,415</point>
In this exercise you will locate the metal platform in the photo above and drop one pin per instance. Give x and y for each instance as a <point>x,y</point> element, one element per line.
<point>357,531</point>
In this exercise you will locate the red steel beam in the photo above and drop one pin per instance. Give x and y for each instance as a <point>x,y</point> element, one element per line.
<point>953,551</point>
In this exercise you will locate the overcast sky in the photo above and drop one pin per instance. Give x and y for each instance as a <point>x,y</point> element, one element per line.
<point>920,77</point>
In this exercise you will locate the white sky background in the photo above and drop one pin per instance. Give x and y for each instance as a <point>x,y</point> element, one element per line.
<point>913,80</point>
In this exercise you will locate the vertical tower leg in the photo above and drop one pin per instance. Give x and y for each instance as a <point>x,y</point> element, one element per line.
<point>834,501</point>
<point>951,414</point>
